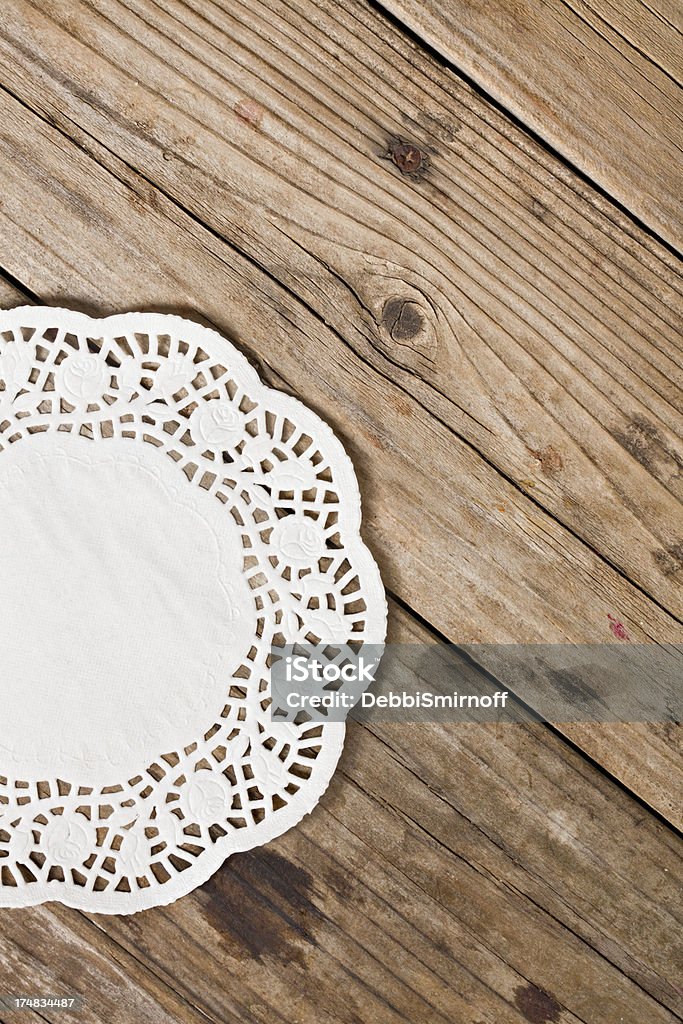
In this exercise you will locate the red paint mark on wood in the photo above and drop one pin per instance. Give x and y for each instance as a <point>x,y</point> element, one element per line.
<point>249,111</point>
<point>618,628</point>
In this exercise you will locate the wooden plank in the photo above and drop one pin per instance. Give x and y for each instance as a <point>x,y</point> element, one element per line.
<point>448,873</point>
<point>11,295</point>
<point>653,28</point>
<point>495,290</point>
<point>490,873</point>
<point>52,951</point>
<point>598,80</point>
<point>527,893</point>
<point>107,239</point>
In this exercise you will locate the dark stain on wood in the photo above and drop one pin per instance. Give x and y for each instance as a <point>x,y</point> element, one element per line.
<point>259,902</point>
<point>670,559</point>
<point>537,1006</point>
<point>578,690</point>
<point>402,318</point>
<point>539,210</point>
<point>644,442</point>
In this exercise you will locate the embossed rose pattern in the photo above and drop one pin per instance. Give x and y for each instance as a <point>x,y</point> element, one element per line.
<point>66,842</point>
<point>292,475</point>
<point>300,541</point>
<point>83,378</point>
<point>206,795</point>
<point>16,362</point>
<point>218,424</point>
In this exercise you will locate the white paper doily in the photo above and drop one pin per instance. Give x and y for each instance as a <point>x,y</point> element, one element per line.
<point>164,517</point>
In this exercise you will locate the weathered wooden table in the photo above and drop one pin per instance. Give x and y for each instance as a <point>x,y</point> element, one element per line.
<point>452,228</point>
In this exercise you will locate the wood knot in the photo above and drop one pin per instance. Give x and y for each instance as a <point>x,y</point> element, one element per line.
<point>402,318</point>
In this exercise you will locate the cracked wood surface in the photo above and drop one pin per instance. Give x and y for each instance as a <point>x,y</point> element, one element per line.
<point>599,80</point>
<point>500,352</point>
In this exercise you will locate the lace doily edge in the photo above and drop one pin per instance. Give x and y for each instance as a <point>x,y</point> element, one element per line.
<point>305,802</point>
<point>211,861</point>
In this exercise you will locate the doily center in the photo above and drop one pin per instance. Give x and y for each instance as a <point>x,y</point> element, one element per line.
<point>109,653</point>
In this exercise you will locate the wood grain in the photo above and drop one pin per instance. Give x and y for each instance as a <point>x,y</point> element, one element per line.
<point>599,80</point>
<point>465,874</point>
<point>520,449</point>
<point>106,239</point>
<point>654,28</point>
<point>53,951</point>
<point>517,309</point>
<point>448,874</point>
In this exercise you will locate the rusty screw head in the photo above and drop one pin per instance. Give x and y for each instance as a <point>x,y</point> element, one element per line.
<point>407,158</point>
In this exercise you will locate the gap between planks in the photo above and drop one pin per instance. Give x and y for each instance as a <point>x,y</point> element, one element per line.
<point>600,82</point>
